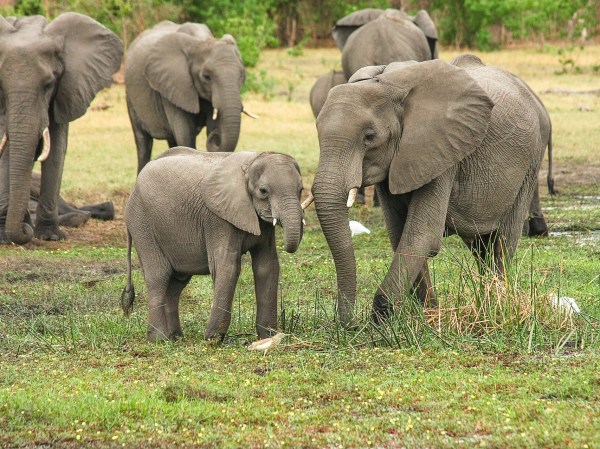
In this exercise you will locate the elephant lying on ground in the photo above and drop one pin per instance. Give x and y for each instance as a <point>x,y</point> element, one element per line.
<point>69,215</point>
<point>197,213</point>
<point>452,147</point>
<point>178,80</point>
<point>49,74</point>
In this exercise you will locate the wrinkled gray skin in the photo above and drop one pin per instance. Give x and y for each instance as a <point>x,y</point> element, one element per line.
<point>174,76</point>
<point>319,90</point>
<point>69,215</point>
<point>196,213</point>
<point>375,37</point>
<point>49,74</point>
<point>450,147</point>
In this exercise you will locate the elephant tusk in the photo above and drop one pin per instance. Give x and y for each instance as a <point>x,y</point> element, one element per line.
<point>303,222</point>
<point>351,197</point>
<point>215,113</point>
<point>250,114</point>
<point>46,149</point>
<point>274,222</point>
<point>3,142</point>
<point>308,201</point>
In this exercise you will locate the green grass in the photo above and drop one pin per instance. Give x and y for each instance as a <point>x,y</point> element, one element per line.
<point>494,366</point>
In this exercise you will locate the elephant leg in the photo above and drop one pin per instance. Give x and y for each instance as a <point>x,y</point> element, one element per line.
<point>158,329</point>
<point>102,211</point>
<point>69,216</point>
<point>182,125</point>
<point>47,227</point>
<point>265,267</point>
<point>483,248</point>
<point>423,288</point>
<point>420,238</point>
<point>535,224</point>
<point>3,196</point>
<point>143,140</point>
<point>174,289</point>
<point>225,273</point>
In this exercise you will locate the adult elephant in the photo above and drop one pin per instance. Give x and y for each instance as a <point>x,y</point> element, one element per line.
<point>450,147</point>
<point>179,79</point>
<point>374,36</point>
<point>49,74</point>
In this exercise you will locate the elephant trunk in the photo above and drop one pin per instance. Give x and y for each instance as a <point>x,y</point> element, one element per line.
<point>330,203</point>
<point>21,148</point>
<point>291,221</point>
<point>226,100</point>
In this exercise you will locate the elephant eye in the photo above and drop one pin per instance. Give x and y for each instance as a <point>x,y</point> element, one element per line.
<point>263,191</point>
<point>205,77</point>
<point>370,135</point>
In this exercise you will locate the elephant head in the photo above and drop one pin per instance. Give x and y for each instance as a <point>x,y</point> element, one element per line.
<point>403,125</point>
<point>192,60</point>
<point>245,187</point>
<point>49,74</point>
<point>352,22</point>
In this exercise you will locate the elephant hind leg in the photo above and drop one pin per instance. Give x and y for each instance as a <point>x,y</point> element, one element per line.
<point>174,289</point>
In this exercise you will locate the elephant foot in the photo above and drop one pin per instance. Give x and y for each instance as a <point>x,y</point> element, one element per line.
<point>382,309</point>
<point>213,335</point>
<point>50,233</point>
<point>73,220</point>
<point>4,240</point>
<point>103,211</point>
<point>153,335</point>
<point>537,227</point>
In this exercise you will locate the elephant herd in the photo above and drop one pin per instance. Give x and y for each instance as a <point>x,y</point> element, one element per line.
<point>451,148</point>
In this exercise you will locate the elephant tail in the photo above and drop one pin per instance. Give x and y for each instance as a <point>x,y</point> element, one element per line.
<point>550,178</point>
<point>128,295</point>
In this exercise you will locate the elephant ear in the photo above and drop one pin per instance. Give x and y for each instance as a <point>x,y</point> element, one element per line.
<point>444,115</point>
<point>167,70</point>
<point>424,22</point>
<point>225,193</point>
<point>91,54</point>
<point>349,24</point>
<point>7,25</point>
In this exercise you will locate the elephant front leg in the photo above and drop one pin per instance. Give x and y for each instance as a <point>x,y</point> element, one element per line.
<point>47,222</point>
<point>420,239</point>
<point>225,273</point>
<point>265,267</point>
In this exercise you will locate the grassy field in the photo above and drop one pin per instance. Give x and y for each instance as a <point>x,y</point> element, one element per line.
<point>495,366</point>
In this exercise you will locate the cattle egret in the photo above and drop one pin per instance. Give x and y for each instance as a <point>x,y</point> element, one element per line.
<point>266,344</point>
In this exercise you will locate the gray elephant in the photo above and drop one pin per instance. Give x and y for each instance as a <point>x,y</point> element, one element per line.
<point>196,213</point>
<point>374,36</point>
<point>178,80</point>
<point>319,90</point>
<point>450,147</point>
<point>49,74</point>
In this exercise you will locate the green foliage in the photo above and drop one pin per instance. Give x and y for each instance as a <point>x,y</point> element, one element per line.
<point>473,23</point>
<point>248,22</point>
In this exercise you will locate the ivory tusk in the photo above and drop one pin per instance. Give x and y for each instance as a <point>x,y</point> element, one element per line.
<point>308,201</point>
<point>250,114</point>
<point>274,221</point>
<point>303,222</point>
<point>3,142</point>
<point>46,149</point>
<point>351,197</point>
<point>215,113</point>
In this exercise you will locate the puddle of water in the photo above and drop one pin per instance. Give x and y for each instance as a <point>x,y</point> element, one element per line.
<point>579,236</point>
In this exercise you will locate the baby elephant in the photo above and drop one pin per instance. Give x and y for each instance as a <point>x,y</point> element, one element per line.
<point>196,213</point>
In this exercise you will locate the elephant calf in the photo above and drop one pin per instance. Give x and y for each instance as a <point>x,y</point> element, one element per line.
<point>196,213</point>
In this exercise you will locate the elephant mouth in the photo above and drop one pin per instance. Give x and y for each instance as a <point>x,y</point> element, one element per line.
<point>269,219</point>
